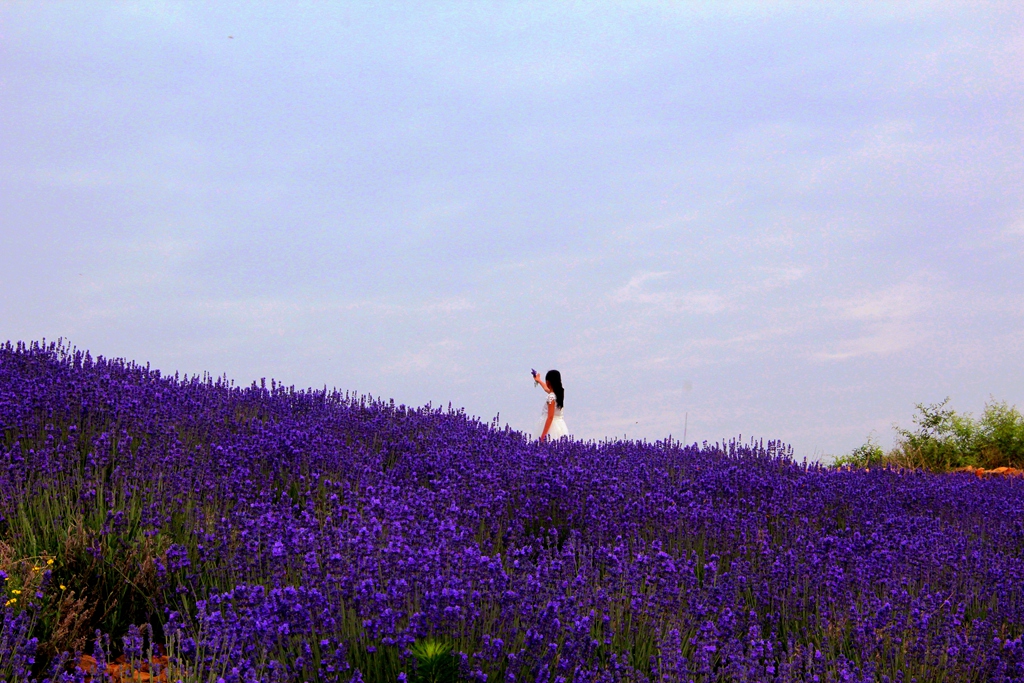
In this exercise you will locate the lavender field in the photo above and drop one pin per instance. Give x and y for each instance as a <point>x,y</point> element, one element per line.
<point>271,534</point>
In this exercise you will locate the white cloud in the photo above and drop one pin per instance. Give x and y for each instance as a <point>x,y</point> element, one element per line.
<point>896,303</point>
<point>780,277</point>
<point>1015,230</point>
<point>446,306</point>
<point>882,340</point>
<point>272,316</point>
<point>886,321</point>
<point>443,354</point>
<point>79,178</point>
<point>637,291</point>
<point>161,248</point>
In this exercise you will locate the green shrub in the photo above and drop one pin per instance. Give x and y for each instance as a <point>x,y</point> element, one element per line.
<point>1001,436</point>
<point>945,440</point>
<point>870,454</point>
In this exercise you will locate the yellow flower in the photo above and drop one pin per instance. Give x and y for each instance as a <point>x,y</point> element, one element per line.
<point>16,592</point>
<point>63,587</point>
<point>35,569</point>
<point>11,602</point>
<point>49,561</point>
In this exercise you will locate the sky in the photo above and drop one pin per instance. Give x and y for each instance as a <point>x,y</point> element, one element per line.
<point>781,220</point>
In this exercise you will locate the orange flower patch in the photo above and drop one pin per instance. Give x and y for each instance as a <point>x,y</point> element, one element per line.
<point>121,671</point>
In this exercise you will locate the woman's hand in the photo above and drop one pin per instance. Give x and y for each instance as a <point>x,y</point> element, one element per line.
<point>542,383</point>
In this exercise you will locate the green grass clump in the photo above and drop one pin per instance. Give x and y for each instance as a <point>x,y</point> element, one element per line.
<point>946,440</point>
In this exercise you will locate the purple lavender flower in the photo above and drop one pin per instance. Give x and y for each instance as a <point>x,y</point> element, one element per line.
<point>315,535</point>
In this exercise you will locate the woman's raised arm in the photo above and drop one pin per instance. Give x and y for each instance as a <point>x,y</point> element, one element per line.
<point>542,383</point>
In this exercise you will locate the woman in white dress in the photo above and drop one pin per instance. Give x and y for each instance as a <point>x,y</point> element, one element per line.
<point>552,425</point>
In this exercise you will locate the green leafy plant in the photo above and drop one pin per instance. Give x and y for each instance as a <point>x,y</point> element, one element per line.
<point>435,662</point>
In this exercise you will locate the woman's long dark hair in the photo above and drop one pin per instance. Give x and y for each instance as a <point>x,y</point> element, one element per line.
<point>554,380</point>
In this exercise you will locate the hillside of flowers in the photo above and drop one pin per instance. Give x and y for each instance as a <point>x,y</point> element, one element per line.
<point>263,533</point>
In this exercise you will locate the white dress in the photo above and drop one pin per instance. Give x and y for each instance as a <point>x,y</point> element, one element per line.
<point>558,428</point>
